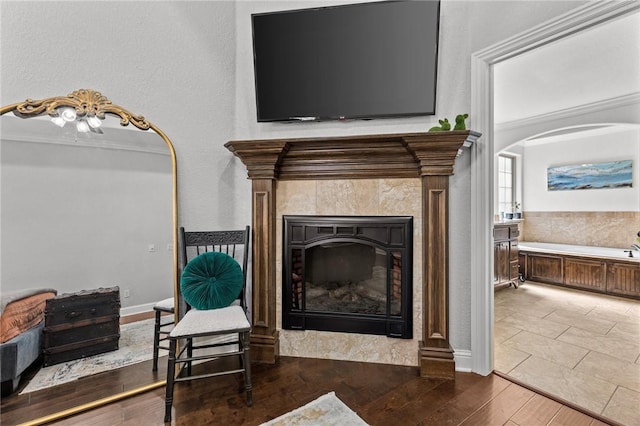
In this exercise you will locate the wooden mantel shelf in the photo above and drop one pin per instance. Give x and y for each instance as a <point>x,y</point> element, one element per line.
<point>427,156</point>
<point>353,157</point>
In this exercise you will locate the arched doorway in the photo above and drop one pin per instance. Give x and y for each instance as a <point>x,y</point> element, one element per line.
<point>583,18</point>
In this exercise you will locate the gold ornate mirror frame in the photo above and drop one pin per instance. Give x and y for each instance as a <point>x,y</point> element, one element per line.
<point>90,103</point>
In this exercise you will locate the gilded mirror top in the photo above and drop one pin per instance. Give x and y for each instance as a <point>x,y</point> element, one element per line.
<point>86,102</point>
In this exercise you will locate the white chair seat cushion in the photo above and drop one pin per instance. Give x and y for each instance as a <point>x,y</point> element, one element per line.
<point>165,305</point>
<point>212,321</point>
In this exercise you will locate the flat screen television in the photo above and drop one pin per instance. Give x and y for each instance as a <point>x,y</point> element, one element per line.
<point>357,61</point>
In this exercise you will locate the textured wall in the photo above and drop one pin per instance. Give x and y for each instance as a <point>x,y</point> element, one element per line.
<point>465,27</point>
<point>187,66</point>
<point>173,62</point>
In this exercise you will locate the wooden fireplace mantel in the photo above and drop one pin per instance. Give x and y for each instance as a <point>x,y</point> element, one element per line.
<point>429,156</point>
<point>352,157</point>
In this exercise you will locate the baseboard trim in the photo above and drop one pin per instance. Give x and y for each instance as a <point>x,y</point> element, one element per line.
<point>463,360</point>
<point>137,309</point>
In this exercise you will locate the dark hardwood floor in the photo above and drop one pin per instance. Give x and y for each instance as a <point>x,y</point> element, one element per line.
<point>380,394</point>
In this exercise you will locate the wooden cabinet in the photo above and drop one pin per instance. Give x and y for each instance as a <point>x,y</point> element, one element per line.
<point>505,254</point>
<point>603,275</point>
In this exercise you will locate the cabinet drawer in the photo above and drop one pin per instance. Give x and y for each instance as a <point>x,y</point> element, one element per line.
<point>82,306</point>
<point>514,232</point>
<point>72,351</point>
<point>500,233</point>
<point>65,334</point>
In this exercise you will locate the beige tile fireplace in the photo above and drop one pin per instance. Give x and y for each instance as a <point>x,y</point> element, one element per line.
<point>373,175</point>
<point>361,197</point>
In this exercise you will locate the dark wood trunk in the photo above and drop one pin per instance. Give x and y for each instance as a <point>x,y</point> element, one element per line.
<point>78,325</point>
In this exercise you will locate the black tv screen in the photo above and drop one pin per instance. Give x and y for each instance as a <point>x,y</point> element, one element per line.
<point>359,61</point>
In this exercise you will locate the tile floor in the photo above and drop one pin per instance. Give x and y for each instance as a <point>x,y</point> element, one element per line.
<point>581,346</point>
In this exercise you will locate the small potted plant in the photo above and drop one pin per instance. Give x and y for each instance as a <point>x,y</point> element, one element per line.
<point>516,211</point>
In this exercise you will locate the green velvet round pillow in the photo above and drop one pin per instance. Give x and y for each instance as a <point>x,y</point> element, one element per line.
<point>211,280</point>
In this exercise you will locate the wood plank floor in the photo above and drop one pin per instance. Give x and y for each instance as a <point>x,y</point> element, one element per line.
<point>380,394</point>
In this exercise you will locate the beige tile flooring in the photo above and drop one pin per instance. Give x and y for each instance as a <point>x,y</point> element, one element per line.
<point>581,346</point>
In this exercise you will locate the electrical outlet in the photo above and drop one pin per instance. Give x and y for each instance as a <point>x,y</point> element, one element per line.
<point>127,293</point>
<point>169,247</point>
<point>152,248</point>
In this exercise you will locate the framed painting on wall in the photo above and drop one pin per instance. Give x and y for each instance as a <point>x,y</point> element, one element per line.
<point>613,174</point>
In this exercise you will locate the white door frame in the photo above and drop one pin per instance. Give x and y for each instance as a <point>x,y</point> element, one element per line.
<point>482,162</point>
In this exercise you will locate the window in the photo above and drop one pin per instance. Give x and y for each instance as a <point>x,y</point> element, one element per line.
<point>506,186</point>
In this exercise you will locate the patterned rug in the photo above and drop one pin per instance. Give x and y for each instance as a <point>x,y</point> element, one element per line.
<point>136,345</point>
<point>327,410</point>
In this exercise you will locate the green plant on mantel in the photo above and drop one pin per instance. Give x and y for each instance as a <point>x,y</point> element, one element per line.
<point>460,124</point>
<point>445,125</point>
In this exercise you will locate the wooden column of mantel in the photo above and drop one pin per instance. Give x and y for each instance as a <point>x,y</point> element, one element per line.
<point>430,156</point>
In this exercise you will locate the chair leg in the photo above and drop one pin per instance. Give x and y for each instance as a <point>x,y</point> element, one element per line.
<point>171,372</point>
<point>246,361</point>
<point>156,341</point>
<point>189,354</point>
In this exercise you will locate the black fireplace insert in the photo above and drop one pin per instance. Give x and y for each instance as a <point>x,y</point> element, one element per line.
<point>348,274</point>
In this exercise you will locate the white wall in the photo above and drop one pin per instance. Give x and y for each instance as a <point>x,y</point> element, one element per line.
<point>466,26</point>
<point>187,66</point>
<point>171,61</point>
<point>621,145</point>
<point>79,218</point>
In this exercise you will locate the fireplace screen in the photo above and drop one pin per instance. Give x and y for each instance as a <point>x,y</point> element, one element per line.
<point>350,274</point>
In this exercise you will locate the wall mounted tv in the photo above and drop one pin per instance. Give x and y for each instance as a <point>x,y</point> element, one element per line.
<point>357,61</point>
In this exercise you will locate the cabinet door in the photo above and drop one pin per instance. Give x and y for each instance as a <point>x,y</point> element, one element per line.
<point>623,278</point>
<point>496,263</point>
<point>503,265</point>
<point>545,268</point>
<point>583,273</point>
<point>514,270</point>
<point>522,262</point>
<point>513,250</point>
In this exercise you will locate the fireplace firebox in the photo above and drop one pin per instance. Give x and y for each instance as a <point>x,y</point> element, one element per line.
<point>348,274</point>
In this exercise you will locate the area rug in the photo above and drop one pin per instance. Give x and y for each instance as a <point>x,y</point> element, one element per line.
<point>135,345</point>
<point>327,410</point>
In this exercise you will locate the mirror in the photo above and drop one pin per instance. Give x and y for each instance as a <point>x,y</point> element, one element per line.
<point>84,209</point>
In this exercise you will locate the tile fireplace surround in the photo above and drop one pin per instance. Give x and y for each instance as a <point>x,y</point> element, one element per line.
<point>377,175</point>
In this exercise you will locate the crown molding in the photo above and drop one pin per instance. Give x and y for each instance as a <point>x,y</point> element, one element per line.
<point>632,99</point>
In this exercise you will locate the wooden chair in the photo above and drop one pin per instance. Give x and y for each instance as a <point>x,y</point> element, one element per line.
<point>226,329</point>
<point>160,331</point>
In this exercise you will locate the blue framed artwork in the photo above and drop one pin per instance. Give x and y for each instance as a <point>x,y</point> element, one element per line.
<point>614,174</point>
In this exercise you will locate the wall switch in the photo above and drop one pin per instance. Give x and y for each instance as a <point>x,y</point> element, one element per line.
<point>152,248</point>
<point>169,247</point>
<point>127,293</point>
